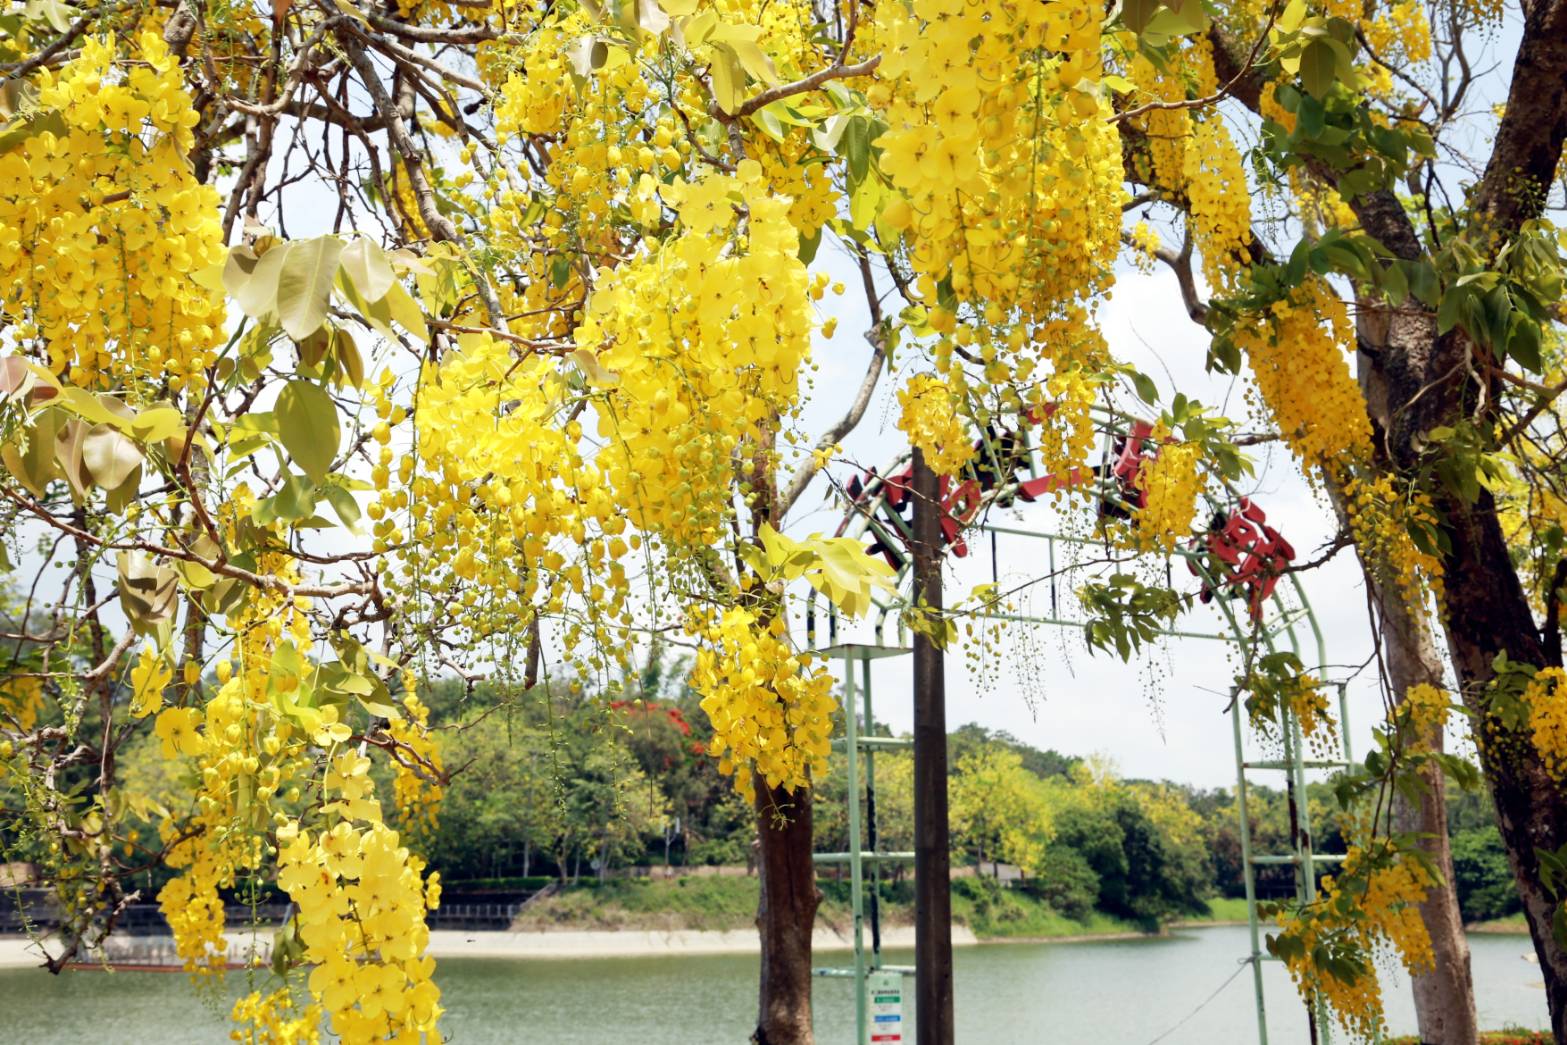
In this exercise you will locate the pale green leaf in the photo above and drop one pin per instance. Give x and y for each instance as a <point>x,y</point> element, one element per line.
<point>308,425</point>
<point>406,311</point>
<point>110,457</point>
<point>366,264</point>
<point>304,285</point>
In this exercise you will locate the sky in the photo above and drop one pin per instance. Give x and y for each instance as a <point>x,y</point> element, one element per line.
<point>1161,715</point>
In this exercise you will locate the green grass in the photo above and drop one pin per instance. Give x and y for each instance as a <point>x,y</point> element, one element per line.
<point>997,913</point>
<point>710,903</point>
<point>1513,1036</point>
<point>1223,909</point>
<point>639,903</point>
<point>1513,923</point>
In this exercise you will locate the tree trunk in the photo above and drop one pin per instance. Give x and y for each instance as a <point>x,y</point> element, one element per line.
<point>1423,380</point>
<point>1444,994</point>
<point>1485,610</point>
<point>785,915</point>
<point>1488,613</point>
<point>932,840</point>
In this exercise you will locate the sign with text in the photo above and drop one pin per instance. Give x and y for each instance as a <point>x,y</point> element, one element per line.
<point>886,1009</point>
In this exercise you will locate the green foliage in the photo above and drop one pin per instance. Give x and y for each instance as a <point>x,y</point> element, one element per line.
<point>1482,876</point>
<point>1067,883</point>
<point>1125,614</point>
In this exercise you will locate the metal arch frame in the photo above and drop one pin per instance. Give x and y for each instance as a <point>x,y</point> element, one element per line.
<point>866,516</point>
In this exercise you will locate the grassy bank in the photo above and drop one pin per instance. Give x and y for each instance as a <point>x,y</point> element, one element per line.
<point>715,903</point>
<point>1494,1037</point>
<point>1513,923</point>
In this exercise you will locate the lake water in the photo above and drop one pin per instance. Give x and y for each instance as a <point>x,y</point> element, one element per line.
<point>1125,992</point>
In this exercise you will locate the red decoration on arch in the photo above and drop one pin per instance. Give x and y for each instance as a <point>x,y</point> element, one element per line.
<point>1252,554</point>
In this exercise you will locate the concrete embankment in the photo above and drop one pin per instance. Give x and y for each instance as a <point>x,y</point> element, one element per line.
<point>19,951</point>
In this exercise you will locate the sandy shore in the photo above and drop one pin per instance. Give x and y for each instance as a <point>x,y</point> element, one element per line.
<point>20,952</point>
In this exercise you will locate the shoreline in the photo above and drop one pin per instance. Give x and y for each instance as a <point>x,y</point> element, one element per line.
<point>18,952</point>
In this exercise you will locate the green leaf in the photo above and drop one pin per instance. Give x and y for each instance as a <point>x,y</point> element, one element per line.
<point>1147,391</point>
<point>1524,343</point>
<point>308,426</point>
<point>560,271</point>
<point>856,147</point>
<point>1447,314</point>
<point>1395,284</point>
<point>343,504</point>
<point>365,263</point>
<point>1135,14</point>
<point>304,285</point>
<point>809,245</point>
<point>1318,67</point>
<point>294,501</point>
<point>1423,283</point>
<point>406,311</point>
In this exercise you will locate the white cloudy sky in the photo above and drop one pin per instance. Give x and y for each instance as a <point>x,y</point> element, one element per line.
<point>1161,715</point>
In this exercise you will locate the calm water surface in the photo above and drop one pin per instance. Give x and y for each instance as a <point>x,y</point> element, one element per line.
<point>1007,994</point>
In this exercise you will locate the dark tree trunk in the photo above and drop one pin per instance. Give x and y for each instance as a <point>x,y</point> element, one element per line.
<point>932,841</point>
<point>785,915</point>
<point>1488,613</point>
<point>1421,381</point>
<point>1416,381</point>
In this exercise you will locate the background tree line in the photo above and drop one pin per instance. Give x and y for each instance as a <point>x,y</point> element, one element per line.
<point>572,783</point>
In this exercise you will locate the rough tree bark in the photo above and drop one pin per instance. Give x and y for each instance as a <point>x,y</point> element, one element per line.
<point>1444,994</point>
<point>1429,380</point>
<point>785,915</point>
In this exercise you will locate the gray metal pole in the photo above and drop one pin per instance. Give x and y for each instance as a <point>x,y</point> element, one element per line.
<point>932,854</point>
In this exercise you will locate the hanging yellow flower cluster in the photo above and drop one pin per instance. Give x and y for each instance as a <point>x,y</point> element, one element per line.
<point>1297,356</point>
<point>1380,519</point>
<point>1013,183</point>
<point>1008,185</point>
<point>361,919</point>
<point>1220,203</point>
<point>1170,484</point>
<point>1195,159</point>
<point>930,418</point>
<point>416,763</point>
<point>705,337</point>
<point>102,224</point>
<point>1383,889</point>
<point>272,1019</point>
<point>1546,696</point>
<point>771,708</point>
<point>244,753</point>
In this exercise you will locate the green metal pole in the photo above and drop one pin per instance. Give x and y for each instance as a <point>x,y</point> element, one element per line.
<point>1247,871</point>
<point>856,899</point>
